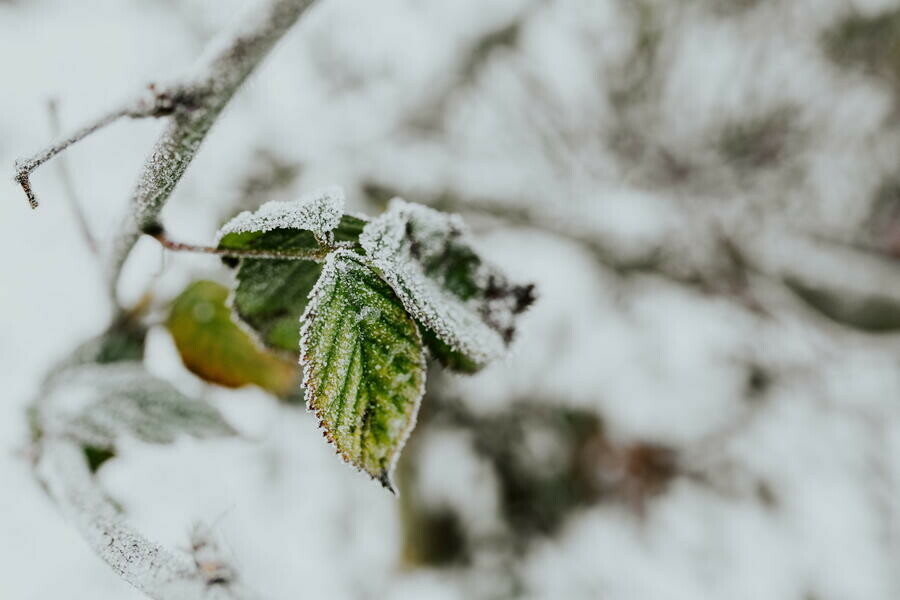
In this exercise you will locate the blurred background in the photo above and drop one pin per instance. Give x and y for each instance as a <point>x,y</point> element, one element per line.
<point>703,403</point>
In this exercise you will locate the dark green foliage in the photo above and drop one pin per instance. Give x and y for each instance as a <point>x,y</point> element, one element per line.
<point>271,295</point>
<point>447,356</point>
<point>428,260</point>
<point>361,322</point>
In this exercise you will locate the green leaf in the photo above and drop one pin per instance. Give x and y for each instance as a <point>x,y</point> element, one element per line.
<point>96,404</point>
<point>313,214</point>
<point>364,364</point>
<point>270,294</point>
<point>215,348</point>
<point>467,306</point>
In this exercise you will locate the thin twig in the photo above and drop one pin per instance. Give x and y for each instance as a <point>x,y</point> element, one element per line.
<point>139,561</point>
<point>317,254</point>
<point>25,167</point>
<point>65,176</point>
<point>158,104</point>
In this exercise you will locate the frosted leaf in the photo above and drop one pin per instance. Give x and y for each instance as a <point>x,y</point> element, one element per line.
<point>318,212</point>
<point>364,364</point>
<point>467,306</point>
<point>270,294</point>
<point>96,404</point>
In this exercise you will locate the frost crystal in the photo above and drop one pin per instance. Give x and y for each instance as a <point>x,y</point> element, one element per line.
<point>319,212</point>
<point>426,258</point>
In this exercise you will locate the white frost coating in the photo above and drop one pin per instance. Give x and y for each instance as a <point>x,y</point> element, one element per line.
<point>386,241</point>
<point>95,404</point>
<point>338,263</point>
<point>149,567</point>
<point>142,563</point>
<point>319,212</point>
<point>74,412</point>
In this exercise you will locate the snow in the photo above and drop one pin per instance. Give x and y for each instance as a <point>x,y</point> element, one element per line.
<point>608,207</point>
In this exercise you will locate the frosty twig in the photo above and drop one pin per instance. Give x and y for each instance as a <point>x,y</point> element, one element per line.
<point>25,167</point>
<point>160,104</point>
<point>192,105</point>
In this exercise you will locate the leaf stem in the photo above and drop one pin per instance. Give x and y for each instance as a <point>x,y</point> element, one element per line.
<point>317,254</point>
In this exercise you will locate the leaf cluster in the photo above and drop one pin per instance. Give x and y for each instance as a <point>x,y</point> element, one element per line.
<point>362,303</point>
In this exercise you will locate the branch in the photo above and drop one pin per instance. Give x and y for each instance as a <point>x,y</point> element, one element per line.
<point>58,416</point>
<point>229,63</point>
<point>149,567</point>
<point>159,105</point>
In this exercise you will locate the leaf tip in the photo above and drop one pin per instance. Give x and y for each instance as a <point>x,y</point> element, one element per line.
<point>384,478</point>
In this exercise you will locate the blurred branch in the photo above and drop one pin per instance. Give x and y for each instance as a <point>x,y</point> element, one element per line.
<point>63,465</point>
<point>149,567</point>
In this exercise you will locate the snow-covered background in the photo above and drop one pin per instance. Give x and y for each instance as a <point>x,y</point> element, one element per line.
<point>705,401</point>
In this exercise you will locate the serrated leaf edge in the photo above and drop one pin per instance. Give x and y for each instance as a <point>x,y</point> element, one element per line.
<point>386,478</point>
